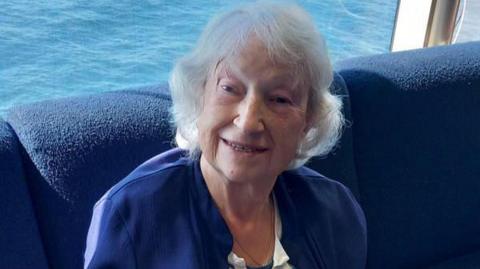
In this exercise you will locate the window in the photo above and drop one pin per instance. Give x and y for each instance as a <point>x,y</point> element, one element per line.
<point>468,22</point>
<point>53,49</point>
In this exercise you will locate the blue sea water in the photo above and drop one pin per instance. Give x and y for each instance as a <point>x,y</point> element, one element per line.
<point>56,48</point>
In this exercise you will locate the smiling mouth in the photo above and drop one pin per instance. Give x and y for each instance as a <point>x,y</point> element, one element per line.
<point>244,148</point>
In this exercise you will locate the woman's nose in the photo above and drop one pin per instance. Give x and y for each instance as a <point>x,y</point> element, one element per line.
<point>250,117</point>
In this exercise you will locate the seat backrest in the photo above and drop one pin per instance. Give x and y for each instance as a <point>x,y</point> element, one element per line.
<point>20,243</point>
<point>416,140</point>
<point>76,149</point>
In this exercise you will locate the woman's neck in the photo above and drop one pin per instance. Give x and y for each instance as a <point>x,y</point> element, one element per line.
<point>248,210</point>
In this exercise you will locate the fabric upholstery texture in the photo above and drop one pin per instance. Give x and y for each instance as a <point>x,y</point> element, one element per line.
<point>416,149</point>
<point>79,147</point>
<point>20,243</point>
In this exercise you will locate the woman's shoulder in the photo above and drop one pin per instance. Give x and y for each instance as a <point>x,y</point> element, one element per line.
<point>311,190</point>
<point>328,213</point>
<point>168,172</point>
<point>304,178</point>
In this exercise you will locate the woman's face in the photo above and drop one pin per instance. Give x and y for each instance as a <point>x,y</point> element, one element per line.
<point>253,118</point>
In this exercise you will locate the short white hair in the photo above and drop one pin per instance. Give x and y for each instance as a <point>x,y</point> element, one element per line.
<point>289,36</point>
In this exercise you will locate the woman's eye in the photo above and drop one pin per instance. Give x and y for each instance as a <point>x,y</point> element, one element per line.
<point>281,100</point>
<point>228,88</point>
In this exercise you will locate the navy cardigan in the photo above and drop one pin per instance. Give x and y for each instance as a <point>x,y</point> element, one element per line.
<point>162,216</point>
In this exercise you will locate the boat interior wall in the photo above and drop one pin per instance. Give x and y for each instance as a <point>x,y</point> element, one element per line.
<point>409,153</point>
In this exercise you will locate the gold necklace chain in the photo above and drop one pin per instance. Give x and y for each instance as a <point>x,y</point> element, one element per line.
<point>272,221</point>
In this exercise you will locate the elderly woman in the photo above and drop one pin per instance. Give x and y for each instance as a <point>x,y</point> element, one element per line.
<point>251,104</point>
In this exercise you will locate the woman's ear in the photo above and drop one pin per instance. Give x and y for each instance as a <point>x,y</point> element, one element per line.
<point>309,112</point>
<point>309,120</point>
<point>307,128</point>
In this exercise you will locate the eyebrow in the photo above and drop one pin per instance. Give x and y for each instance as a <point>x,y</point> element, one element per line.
<point>228,71</point>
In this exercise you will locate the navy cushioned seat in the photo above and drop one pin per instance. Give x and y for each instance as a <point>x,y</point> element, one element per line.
<point>78,148</point>
<point>416,138</point>
<point>20,243</point>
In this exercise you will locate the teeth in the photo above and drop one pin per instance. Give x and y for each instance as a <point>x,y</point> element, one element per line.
<point>240,147</point>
